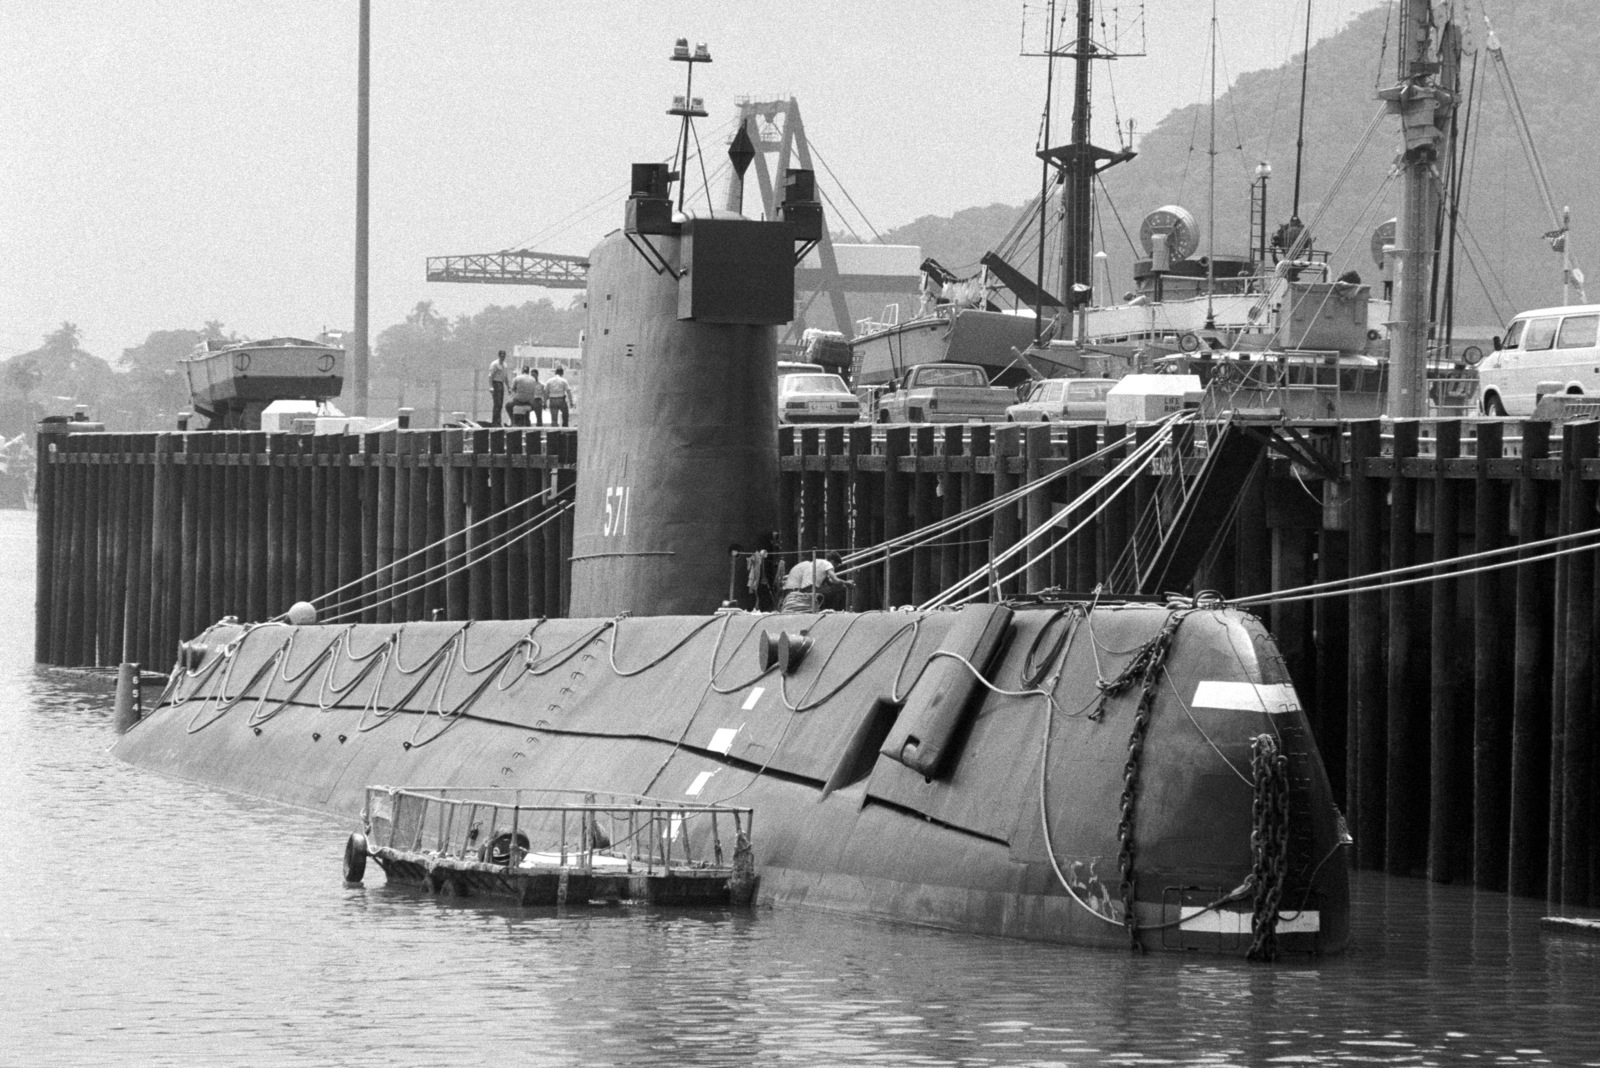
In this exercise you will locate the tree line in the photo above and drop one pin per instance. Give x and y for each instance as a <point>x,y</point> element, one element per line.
<point>145,388</point>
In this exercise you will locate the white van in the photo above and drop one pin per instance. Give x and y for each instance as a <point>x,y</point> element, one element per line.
<point>1548,350</point>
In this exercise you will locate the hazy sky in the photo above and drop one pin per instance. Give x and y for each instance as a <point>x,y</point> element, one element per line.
<point>165,163</point>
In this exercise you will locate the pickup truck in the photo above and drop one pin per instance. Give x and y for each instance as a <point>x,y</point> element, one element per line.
<point>944,393</point>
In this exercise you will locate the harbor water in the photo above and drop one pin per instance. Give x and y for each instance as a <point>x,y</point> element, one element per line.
<point>148,921</point>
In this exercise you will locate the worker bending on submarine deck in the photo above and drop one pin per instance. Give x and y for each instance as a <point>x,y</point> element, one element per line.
<point>814,585</point>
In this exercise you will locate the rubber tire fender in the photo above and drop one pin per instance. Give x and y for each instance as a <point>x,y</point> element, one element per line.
<point>355,857</point>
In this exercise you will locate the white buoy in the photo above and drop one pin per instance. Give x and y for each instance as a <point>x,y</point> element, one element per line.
<point>302,614</point>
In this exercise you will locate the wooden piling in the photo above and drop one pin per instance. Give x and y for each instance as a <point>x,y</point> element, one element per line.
<point>163,517</point>
<point>405,567</point>
<point>1531,671</point>
<point>1406,829</point>
<point>307,559</point>
<point>352,537</point>
<point>864,500</point>
<point>1083,441</point>
<point>952,446</point>
<point>924,511</point>
<point>134,615</point>
<point>385,589</point>
<point>566,479</point>
<point>45,536</point>
<point>975,553</point>
<point>1036,452</point>
<point>896,513</point>
<point>1367,745</point>
<point>1574,771</point>
<point>1005,446</point>
<point>1114,526</point>
<point>1331,639</point>
<point>234,576</point>
<point>1492,635</point>
<point>516,552</point>
<point>478,602</point>
<point>1450,797</point>
<point>455,523</point>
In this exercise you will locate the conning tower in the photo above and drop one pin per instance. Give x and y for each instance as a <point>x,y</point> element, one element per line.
<point>677,438</point>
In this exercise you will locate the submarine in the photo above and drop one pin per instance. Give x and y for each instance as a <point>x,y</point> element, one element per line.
<point>1080,770</point>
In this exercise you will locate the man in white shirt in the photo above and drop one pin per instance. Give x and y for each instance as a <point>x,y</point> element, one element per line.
<point>558,392</point>
<point>499,383</point>
<point>810,584</point>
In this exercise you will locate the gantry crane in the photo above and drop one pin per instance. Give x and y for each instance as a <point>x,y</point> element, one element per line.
<point>514,267</point>
<point>774,126</point>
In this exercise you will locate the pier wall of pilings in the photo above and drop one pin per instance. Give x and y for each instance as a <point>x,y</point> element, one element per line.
<point>1457,717</point>
<point>147,539</point>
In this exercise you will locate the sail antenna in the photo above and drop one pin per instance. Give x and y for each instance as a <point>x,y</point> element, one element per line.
<point>1211,211</point>
<point>688,107</point>
<point>1300,137</point>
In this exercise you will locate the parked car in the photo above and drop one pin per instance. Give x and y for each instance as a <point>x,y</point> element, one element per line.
<point>943,393</point>
<point>816,398</point>
<point>1052,399</point>
<point>1548,350</point>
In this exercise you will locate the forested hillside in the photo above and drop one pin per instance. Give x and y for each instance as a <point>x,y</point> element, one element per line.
<point>1549,46</point>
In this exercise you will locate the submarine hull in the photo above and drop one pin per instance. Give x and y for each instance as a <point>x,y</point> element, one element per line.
<point>1028,828</point>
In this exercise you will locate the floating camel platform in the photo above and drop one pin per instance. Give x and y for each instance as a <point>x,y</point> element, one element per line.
<point>531,847</point>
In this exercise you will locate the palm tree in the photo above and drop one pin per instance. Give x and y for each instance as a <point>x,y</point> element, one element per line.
<point>63,340</point>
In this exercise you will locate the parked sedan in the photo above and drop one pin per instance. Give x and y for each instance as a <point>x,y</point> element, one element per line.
<point>814,398</point>
<point>1055,399</point>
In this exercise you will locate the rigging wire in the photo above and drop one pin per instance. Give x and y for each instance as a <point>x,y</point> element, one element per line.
<point>1106,193</point>
<point>511,533</point>
<point>1136,462</point>
<point>558,511</point>
<point>837,214</point>
<point>700,155</point>
<point>443,541</point>
<point>1347,586</point>
<point>921,537</point>
<point>1233,109</point>
<point>812,144</point>
<point>1383,49</point>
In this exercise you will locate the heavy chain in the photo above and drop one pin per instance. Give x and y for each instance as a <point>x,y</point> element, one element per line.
<point>1269,843</point>
<point>1146,665</point>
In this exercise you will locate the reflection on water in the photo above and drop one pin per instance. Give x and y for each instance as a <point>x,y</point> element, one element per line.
<point>146,921</point>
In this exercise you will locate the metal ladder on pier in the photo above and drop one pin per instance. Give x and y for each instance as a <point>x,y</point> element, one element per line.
<point>1200,473</point>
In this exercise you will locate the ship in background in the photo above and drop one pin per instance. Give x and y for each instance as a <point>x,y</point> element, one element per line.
<point>1277,325</point>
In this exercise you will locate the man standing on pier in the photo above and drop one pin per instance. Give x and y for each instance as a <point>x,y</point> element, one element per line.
<point>499,380</point>
<point>559,392</point>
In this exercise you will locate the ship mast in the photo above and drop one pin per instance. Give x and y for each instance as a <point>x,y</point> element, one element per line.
<point>1211,206</point>
<point>1080,161</point>
<point>1078,191</point>
<point>1044,168</point>
<point>1424,107</point>
<point>1300,135</point>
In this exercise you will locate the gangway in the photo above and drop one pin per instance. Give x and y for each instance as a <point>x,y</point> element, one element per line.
<point>1202,472</point>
